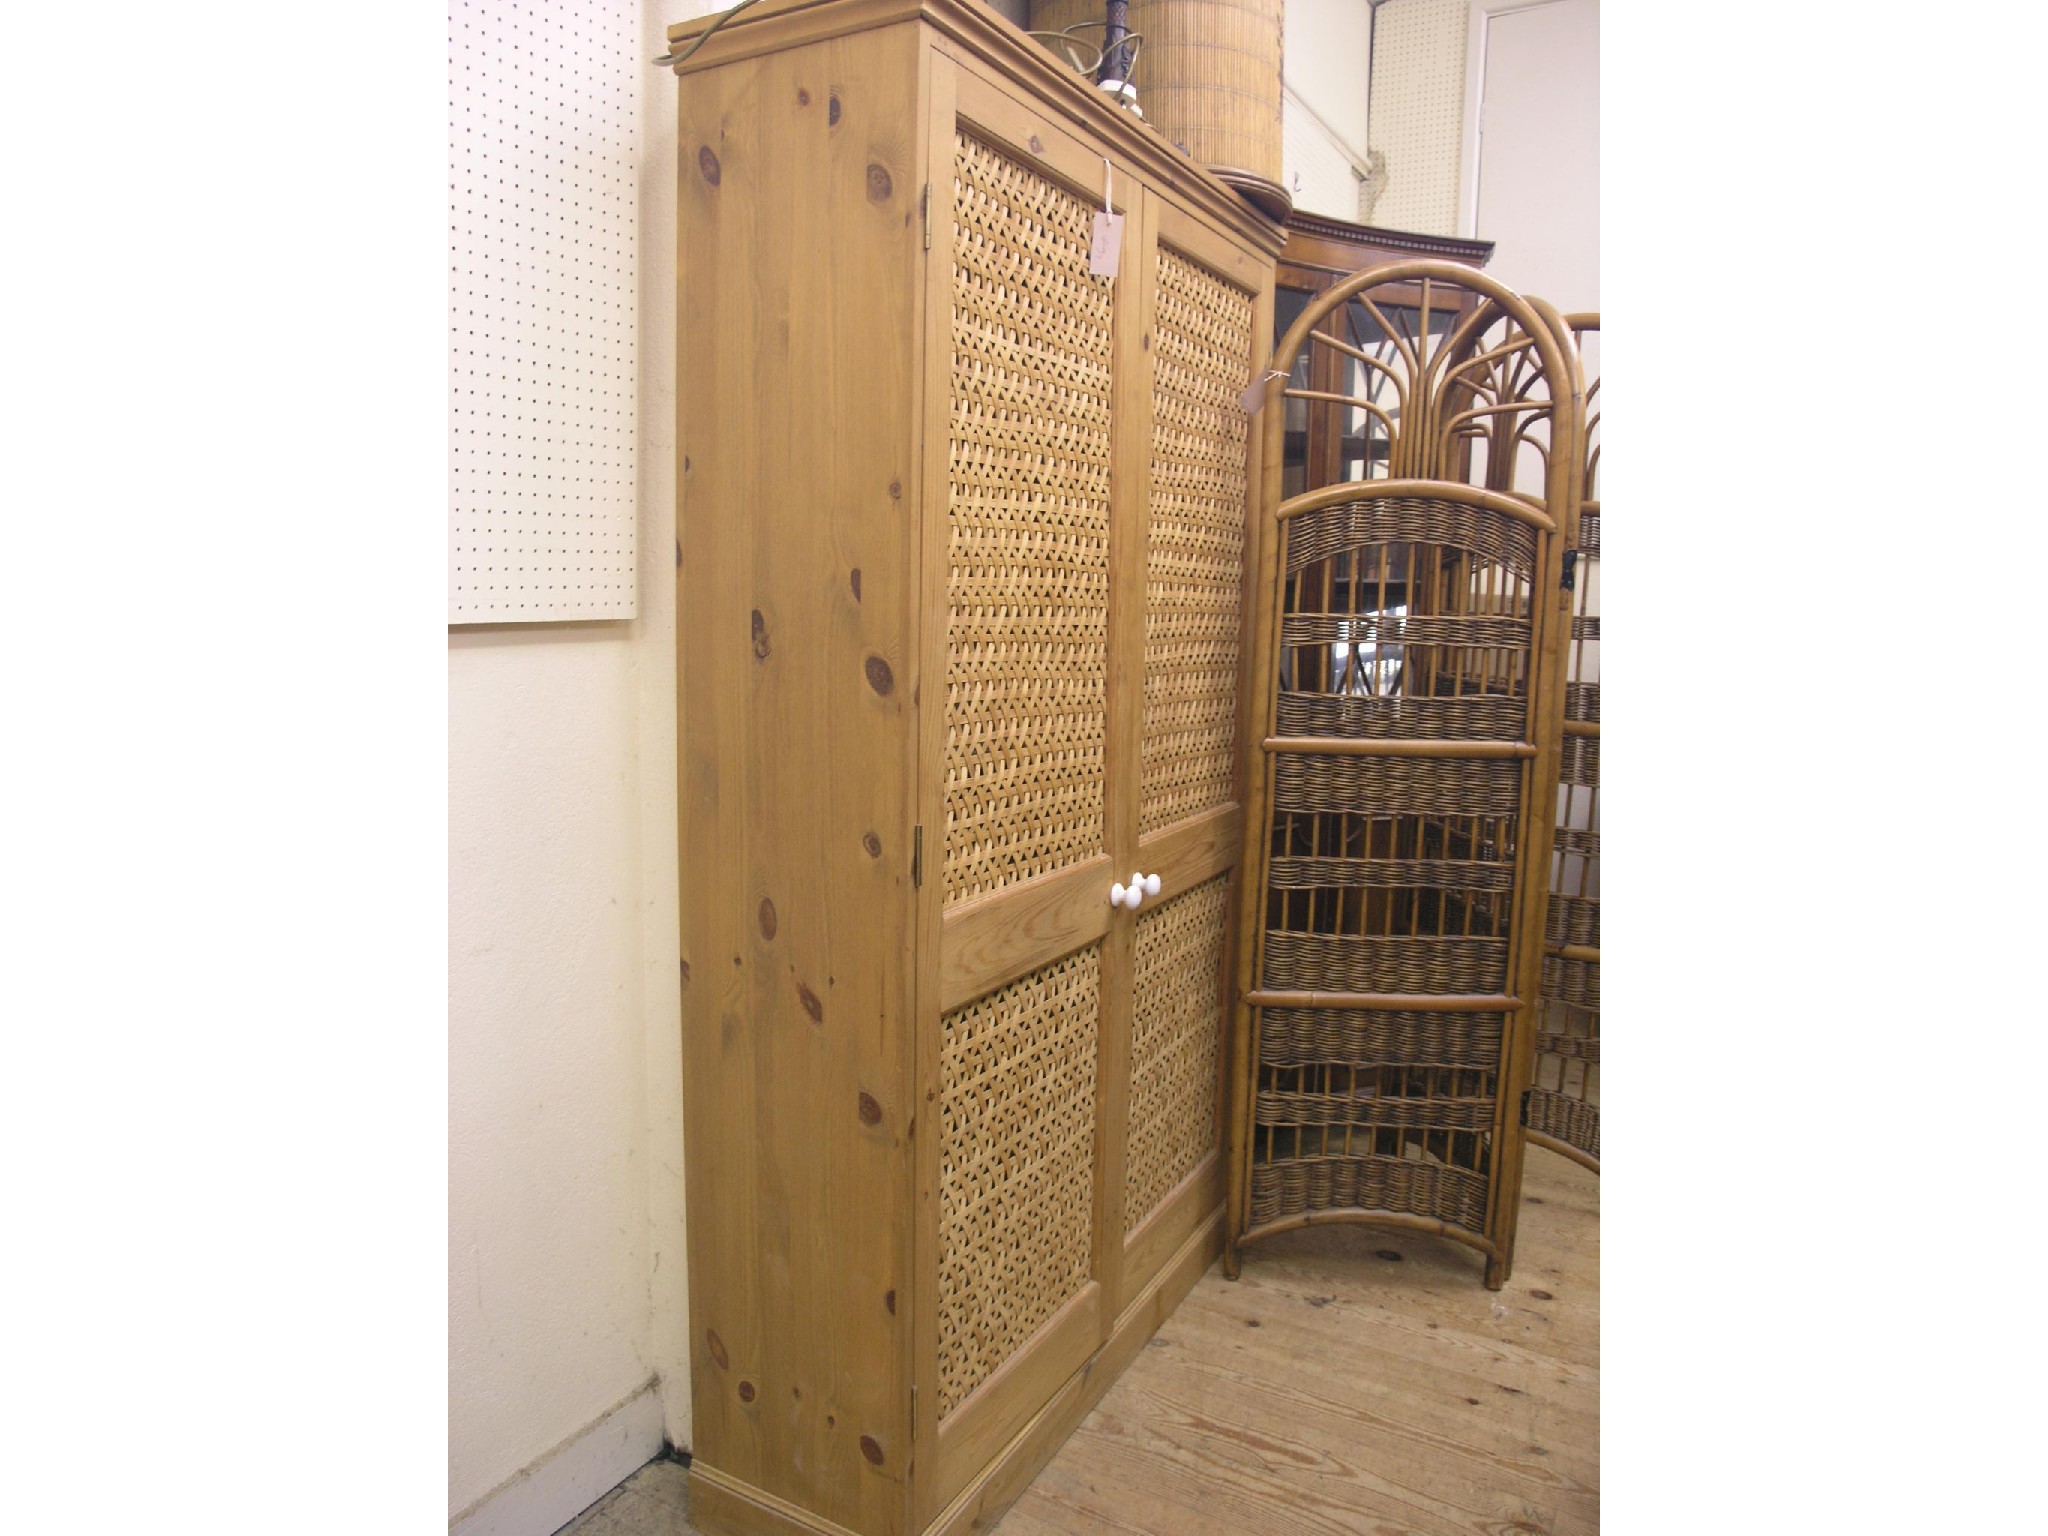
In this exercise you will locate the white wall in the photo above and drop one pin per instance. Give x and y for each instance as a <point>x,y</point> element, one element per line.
<point>567,1283</point>
<point>1326,62</point>
<point>1536,156</point>
<point>547,1114</point>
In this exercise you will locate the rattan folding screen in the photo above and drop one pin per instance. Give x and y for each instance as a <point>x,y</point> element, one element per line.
<point>1409,658</point>
<point>1562,1110</point>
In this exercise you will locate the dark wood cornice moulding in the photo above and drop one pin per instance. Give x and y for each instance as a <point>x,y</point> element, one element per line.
<point>1318,226</point>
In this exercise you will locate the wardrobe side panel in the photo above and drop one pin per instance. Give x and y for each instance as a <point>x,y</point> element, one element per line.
<point>801,242</point>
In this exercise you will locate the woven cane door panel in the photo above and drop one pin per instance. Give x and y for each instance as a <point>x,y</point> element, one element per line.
<point>1017,1165</point>
<point>1194,563</point>
<point>1028,586</point>
<point>1563,1104</point>
<point>1176,1041</point>
<point>1402,618</point>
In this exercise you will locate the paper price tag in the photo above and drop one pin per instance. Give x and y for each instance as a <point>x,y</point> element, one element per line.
<point>1108,244</point>
<point>1255,394</point>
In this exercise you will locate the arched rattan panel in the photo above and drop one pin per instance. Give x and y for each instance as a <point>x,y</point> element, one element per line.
<point>1562,1111</point>
<point>1398,813</point>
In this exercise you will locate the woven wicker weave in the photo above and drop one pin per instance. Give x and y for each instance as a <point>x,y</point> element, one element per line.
<point>1298,1036</point>
<point>1453,1195</point>
<point>1028,622</point>
<point>1411,663</point>
<point>1017,1160</point>
<point>1562,1109</point>
<point>1176,1039</point>
<point>1194,557</point>
<point>1411,786</point>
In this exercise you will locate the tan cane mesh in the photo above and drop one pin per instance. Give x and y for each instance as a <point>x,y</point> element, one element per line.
<point>1016,1164</point>
<point>1028,585</point>
<point>1176,1040</point>
<point>1194,563</point>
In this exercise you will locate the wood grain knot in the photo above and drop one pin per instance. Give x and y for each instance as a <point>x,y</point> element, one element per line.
<point>811,1004</point>
<point>854,580</point>
<point>832,110</point>
<point>1543,1295</point>
<point>686,973</point>
<point>767,918</point>
<point>746,1391</point>
<point>1035,146</point>
<point>707,162</point>
<point>871,1450</point>
<point>879,184</point>
<point>716,1345</point>
<point>1389,1254</point>
<point>889,1301</point>
<point>872,843</point>
<point>803,97</point>
<point>679,554</point>
<point>895,490</point>
<point>880,678</point>
<point>760,627</point>
<point>870,1109</point>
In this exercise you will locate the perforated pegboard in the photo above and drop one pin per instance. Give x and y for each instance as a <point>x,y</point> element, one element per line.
<point>1417,113</point>
<point>543,147</point>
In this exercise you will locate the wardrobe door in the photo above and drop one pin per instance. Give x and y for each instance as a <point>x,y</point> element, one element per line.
<point>1207,303</point>
<point>1021,763</point>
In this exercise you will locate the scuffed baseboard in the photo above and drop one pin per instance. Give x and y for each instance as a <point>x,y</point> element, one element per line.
<point>547,1495</point>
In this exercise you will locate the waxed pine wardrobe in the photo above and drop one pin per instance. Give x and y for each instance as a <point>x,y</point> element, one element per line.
<point>961,610</point>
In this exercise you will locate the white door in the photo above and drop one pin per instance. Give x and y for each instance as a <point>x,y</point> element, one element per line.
<point>1538,166</point>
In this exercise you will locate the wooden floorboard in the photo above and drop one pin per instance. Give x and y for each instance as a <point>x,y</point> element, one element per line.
<point>1339,1390</point>
<point>1351,1383</point>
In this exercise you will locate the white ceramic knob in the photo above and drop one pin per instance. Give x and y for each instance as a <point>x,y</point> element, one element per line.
<point>1116,894</point>
<point>1151,884</point>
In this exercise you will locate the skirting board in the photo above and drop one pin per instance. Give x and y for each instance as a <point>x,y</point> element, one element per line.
<point>562,1484</point>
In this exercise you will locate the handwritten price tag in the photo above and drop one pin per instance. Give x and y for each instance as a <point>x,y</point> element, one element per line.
<point>1108,244</point>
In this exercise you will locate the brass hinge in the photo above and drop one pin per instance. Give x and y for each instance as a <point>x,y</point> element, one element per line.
<point>926,204</point>
<point>917,857</point>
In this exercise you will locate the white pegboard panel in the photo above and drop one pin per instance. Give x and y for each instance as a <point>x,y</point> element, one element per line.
<point>543,148</point>
<point>1418,112</point>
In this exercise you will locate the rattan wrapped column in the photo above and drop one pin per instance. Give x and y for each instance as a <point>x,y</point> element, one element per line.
<point>1399,816</point>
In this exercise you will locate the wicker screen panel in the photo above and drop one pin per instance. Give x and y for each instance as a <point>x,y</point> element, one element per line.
<point>1563,1103</point>
<point>1017,1164</point>
<point>1376,1111</point>
<point>1176,1043</point>
<point>1028,586</point>
<point>1194,563</point>
<point>1402,617</point>
<point>1407,616</point>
